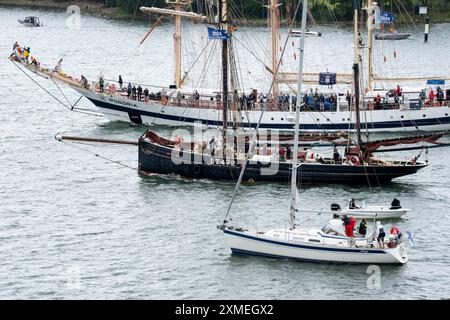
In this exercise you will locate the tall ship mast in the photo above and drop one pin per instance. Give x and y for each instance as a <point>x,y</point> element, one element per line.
<point>176,104</point>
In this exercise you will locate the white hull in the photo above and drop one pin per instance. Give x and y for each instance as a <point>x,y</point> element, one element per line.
<point>261,245</point>
<point>379,212</point>
<point>154,113</point>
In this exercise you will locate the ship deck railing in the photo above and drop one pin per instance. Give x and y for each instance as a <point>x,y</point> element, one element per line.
<point>212,103</point>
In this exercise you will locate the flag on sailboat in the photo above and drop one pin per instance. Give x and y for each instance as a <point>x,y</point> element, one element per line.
<point>385,18</point>
<point>217,34</point>
<point>409,236</point>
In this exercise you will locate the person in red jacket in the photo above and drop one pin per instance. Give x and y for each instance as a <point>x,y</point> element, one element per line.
<point>349,226</point>
<point>352,225</point>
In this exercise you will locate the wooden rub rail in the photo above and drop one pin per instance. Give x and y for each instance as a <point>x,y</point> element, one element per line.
<point>60,137</point>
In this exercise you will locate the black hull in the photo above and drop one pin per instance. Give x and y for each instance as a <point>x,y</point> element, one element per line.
<point>154,158</point>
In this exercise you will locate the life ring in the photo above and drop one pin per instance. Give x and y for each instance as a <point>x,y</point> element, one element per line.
<point>197,170</point>
<point>354,161</point>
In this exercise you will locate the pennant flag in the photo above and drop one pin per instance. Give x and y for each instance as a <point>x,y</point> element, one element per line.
<point>217,34</point>
<point>410,236</point>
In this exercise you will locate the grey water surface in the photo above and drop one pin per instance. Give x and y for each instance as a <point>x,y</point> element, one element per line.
<point>73,224</point>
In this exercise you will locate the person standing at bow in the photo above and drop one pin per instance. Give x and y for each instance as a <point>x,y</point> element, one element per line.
<point>120,83</point>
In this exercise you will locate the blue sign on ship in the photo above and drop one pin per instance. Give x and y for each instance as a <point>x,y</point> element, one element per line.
<point>217,34</point>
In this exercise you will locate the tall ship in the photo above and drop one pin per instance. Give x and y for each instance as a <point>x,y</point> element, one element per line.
<point>260,158</point>
<point>328,102</point>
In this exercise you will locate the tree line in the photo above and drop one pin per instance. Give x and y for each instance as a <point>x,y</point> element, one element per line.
<point>322,10</point>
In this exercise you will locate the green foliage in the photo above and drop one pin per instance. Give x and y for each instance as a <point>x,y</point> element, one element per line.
<point>322,10</point>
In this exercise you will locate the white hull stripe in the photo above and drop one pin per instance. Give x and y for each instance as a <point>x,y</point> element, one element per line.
<point>280,243</point>
<point>341,126</point>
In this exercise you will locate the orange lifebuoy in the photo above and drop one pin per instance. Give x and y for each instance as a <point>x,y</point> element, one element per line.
<point>163,101</point>
<point>354,161</point>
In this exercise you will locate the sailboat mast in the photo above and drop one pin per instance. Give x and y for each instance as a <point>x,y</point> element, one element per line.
<point>273,9</point>
<point>356,75</point>
<point>223,25</point>
<point>355,32</point>
<point>177,45</point>
<point>370,26</point>
<point>293,208</point>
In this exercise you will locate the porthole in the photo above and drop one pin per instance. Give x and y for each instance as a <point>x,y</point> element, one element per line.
<point>402,117</point>
<point>328,119</point>
<point>446,114</point>
<point>282,119</point>
<point>424,115</point>
<point>343,119</point>
<point>271,119</point>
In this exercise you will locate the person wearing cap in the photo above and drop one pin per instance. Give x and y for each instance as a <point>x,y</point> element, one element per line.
<point>380,234</point>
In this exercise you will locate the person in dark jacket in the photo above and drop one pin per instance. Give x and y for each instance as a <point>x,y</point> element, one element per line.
<point>363,228</point>
<point>352,204</point>
<point>139,93</point>
<point>120,83</point>
<point>134,90</point>
<point>129,89</point>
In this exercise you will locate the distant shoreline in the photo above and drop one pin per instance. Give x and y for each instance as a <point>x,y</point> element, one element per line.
<point>89,7</point>
<point>97,9</point>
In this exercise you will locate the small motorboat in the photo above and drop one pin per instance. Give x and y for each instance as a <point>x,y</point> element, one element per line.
<point>392,36</point>
<point>379,212</point>
<point>31,22</point>
<point>298,33</point>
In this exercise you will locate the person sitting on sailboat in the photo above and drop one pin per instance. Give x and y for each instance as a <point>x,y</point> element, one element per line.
<point>352,204</point>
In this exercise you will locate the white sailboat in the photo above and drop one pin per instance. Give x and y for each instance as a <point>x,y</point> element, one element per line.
<point>327,244</point>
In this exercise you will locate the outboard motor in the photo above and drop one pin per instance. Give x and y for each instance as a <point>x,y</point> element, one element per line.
<point>335,207</point>
<point>395,204</point>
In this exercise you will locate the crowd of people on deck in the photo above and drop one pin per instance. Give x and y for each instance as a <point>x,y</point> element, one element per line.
<point>24,54</point>
<point>312,101</point>
<point>434,97</point>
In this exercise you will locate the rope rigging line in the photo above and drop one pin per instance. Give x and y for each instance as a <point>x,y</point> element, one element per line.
<point>253,141</point>
<point>71,107</point>
<point>73,145</point>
